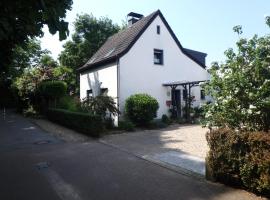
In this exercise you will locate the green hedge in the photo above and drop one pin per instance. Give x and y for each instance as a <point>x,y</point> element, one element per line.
<point>83,122</point>
<point>141,108</point>
<point>240,159</point>
<point>52,89</point>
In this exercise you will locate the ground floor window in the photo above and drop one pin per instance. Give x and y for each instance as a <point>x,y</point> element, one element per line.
<point>184,94</point>
<point>103,91</point>
<point>202,95</point>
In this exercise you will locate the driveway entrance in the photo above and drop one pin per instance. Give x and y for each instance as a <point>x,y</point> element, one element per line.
<point>35,165</point>
<point>178,146</point>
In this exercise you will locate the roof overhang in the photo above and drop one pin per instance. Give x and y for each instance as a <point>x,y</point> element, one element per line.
<point>96,65</point>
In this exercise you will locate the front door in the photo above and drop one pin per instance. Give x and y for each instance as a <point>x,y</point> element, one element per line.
<point>176,103</point>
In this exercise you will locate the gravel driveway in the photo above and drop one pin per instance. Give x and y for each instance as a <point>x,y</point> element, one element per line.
<point>182,146</point>
<point>189,139</point>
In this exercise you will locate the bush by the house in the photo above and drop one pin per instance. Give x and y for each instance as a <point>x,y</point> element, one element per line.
<point>88,124</point>
<point>68,103</point>
<point>108,123</point>
<point>100,105</point>
<point>141,108</point>
<point>165,119</point>
<point>240,159</point>
<point>156,124</point>
<point>126,125</point>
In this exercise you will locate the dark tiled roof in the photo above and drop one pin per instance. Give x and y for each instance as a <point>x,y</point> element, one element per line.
<point>199,56</point>
<point>120,43</point>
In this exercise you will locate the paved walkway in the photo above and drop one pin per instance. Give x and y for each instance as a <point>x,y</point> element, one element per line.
<point>35,165</point>
<point>182,146</point>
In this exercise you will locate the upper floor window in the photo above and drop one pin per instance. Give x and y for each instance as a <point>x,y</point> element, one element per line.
<point>158,57</point>
<point>158,29</point>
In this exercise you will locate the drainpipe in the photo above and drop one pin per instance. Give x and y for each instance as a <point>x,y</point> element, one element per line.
<point>118,86</point>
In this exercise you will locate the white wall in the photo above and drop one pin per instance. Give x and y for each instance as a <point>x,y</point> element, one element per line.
<point>106,77</point>
<point>138,73</point>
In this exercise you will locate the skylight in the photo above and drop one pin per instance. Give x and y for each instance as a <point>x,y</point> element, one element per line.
<point>109,53</point>
<point>92,60</point>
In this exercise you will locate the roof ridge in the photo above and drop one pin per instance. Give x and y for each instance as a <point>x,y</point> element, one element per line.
<point>122,41</point>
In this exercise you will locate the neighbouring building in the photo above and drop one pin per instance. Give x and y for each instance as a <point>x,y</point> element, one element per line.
<point>146,57</point>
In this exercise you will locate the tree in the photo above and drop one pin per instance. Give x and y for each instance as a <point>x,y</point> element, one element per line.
<point>90,34</point>
<point>21,20</point>
<point>240,87</point>
<point>47,61</point>
<point>23,57</point>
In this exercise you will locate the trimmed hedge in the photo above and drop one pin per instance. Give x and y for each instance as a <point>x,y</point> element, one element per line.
<point>126,125</point>
<point>53,89</point>
<point>83,122</point>
<point>240,159</point>
<point>141,108</point>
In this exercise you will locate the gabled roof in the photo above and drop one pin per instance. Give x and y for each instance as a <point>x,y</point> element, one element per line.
<point>199,56</point>
<point>121,42</point>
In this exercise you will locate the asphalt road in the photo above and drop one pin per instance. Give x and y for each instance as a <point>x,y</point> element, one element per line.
<point>36,166</point>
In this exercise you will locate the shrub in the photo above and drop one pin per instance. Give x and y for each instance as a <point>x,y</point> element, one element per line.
<point>126,125</point>
<point>100,105</point>
<point>53,89</point>
<point>30,112</point>
<point>109,123</point>
<point>141,108</point>
<point>83,122</point>
<point>240,86</point>
<point>68,103</point>
<point>156,124</point>
<point>240,159</point>
<point>198,112</point>
<point>165,119</point>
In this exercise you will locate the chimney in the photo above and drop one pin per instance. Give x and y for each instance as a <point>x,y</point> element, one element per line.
<point>133,18</point>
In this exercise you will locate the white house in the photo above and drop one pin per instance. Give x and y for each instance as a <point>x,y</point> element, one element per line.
<point>146,57</point>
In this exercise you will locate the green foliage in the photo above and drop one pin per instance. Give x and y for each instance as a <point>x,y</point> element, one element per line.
<point>141,108</point>
<point>100,105</point>
<point>21,20</point>
<point>198,112</point>
<point>23,57</point>
<point>47,61</point>
<point>53,89</point>
<point>30,112</point>
<point>240,87</point>
<point>126,125</point>
<point>66,74</point>
<point>83,122</point>
<point>90,34</point>
<point>25,86</point>
<point>156,124</point>
<point>165,119</point>
<point>68,103</point>
<point>240,158</point>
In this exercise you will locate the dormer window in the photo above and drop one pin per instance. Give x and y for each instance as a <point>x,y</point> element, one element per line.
<point>158,57</point>
<point>158,29</point>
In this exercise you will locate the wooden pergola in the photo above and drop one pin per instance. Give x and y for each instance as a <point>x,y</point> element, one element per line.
<point>187,85</point>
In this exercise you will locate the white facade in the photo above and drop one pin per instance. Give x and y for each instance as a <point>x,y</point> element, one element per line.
<point>139,74</point>
<point>104,78</point>
<point>135,72</point>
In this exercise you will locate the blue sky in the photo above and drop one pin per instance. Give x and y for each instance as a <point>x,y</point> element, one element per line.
<point>204,25</point>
